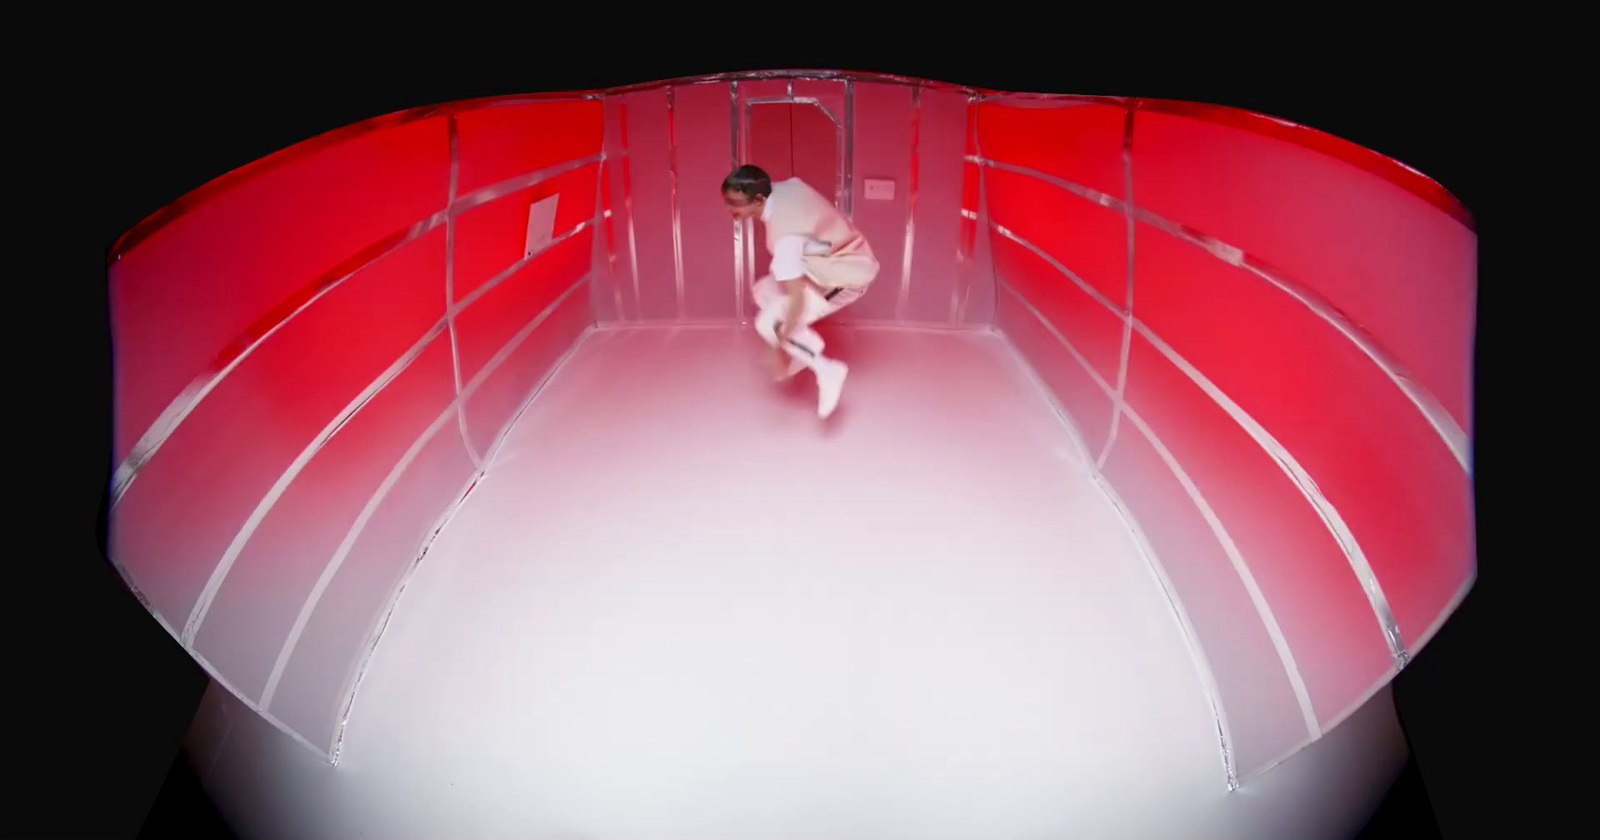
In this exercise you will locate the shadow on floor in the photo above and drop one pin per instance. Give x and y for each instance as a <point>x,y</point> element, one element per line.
<point>1405,812</point>
<point>183,809</point>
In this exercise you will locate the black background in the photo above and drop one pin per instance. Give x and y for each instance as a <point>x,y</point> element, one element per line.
<point>162,116</point>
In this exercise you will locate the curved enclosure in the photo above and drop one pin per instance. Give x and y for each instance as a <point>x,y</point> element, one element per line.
<point>1245,343</point>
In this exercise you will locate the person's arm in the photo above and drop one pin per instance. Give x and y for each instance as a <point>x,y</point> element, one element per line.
<point>788,268</point>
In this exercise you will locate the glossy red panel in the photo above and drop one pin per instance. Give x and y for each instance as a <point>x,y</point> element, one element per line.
<point>1264,718</point>
<point>650,179</point>
<point>882,151</point>
<point>1304,575</point>
<point>1095,330</point>
<point>816,155</point>
<point>769,144</point>
<point>317,681</point>
<point>1086,403</point>
<point>705,156</point>
<point>490,238</point>
<point>941,138</point>
<point>1321,142</point>
<point>1389,259</point>
<point>1081,142</point>
<point>508,387</point>
<point>490,321</point>
<point>497,142</point>
<point>215,270</point>
<point>189,501</point>
<point>1089,239</point>
<point>770,138</point>
<point>1385,469</point>
<point>257,605</point>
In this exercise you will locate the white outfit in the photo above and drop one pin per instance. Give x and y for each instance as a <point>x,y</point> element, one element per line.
<point>804,345</point>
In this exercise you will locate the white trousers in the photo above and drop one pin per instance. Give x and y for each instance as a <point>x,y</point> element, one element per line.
<point>804,344</point>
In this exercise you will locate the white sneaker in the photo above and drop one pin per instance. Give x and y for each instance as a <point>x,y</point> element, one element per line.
<point>830,383</point>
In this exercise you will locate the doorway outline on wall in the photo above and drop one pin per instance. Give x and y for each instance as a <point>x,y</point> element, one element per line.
<point>844,180</point>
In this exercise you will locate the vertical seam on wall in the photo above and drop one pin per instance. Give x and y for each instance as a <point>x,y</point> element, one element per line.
<point>219,573</point>
<point>1127,307</point>
<point>748,224</point>
<point>672,172</point>
<point>738,224</point>
<point>962,293</point>
<point>358,527</point>
<point>444,520</point>
<point>604,226</point>
<point>1180,614</point>
<point>988,219</point>
<point>967,254</point>
<point>627,206</point>
<point>911,203</point>
<point>1241,568</point>
<point>847,166</point>
<point>449,282</point>
<point>358,669</point>
<point>1349,546</point>
<point>215,673</point>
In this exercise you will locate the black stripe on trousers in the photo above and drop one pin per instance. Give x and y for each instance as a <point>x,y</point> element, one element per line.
<point>832,293</point>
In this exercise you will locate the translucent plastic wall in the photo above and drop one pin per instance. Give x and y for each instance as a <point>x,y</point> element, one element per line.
<point>313,356</point>
<point>671,254</point>
<point>1266,335</point>
<point>1262,333</point>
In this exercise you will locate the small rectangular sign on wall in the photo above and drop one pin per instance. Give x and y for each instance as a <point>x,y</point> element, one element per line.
<point>879,189</point>
<point>541,225</point>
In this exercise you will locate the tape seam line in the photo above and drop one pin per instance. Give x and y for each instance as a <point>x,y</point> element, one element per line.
<point>357,527</point>
<point>231,356</point>
<point>1178,612</point>
<point>1127,314</point>
<point>1453,436</point>
<point>370,648</point>
<point>449,279</point>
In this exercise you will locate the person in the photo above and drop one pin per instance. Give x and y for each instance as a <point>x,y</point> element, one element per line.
<point>820,264</point>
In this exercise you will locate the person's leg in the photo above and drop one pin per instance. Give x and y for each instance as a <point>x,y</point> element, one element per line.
<point>830,372</point>
<point>817,308</point>
<point>804,345</point>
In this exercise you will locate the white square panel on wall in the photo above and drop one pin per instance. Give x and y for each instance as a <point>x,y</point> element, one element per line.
<point>541,225</point>
<point>879,189</point>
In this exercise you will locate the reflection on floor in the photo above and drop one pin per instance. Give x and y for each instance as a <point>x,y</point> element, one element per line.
<point>681,605</point>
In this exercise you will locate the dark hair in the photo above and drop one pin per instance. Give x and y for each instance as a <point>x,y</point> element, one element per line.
<point>749,181</point>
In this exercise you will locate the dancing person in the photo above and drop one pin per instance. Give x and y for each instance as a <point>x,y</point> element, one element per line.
<point>820,264</point>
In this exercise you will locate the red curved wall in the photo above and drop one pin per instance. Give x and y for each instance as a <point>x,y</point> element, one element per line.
<point>313,356</point>
<point>1261,332</point>
<point>1266,334</point>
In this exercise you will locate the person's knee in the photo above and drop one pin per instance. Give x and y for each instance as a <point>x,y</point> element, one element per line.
<point>765,292</point>
<point>767,325</point>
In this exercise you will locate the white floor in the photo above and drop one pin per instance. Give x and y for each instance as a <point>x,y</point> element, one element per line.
<point>681,606</point>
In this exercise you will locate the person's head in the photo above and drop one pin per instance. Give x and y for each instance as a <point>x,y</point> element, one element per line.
<point>745,191</point>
